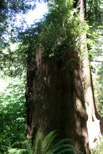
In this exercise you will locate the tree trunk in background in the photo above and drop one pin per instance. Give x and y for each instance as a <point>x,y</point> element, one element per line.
<point>95,122</point>
<point>55,98</point>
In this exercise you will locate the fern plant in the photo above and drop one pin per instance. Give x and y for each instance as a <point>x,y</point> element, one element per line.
<point>47,145</point>
<point>62,147</point>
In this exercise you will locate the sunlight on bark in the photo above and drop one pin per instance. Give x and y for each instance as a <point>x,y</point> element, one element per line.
<point>93,124</point>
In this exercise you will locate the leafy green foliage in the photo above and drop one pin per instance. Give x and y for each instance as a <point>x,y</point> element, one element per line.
<point>94,12</point>
<point>13,60</point>
<point>98,149</point>
<point>12,113</point>
<point>95,55</point>
<point>98,86</point>
<point>59,32</point>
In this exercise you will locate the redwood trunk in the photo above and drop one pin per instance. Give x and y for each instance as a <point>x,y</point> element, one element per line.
<point>57,100</point>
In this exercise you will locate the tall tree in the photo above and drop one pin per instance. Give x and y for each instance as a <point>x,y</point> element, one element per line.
<point>59,93</point>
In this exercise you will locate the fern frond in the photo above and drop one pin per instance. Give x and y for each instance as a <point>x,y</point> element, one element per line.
<point>37,143</point>
<point>50,151</point>
<point>62,141</point>
<point>48,141</point>
<point>68,150</point>
<point>61,147</point>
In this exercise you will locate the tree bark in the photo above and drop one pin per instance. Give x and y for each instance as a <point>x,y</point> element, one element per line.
<point>57,99</point>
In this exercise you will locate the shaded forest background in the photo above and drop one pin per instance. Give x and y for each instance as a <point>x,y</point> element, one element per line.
<point>17,44</point>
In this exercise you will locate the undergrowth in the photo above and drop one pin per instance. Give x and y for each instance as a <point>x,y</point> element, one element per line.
<point>47,145</point>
